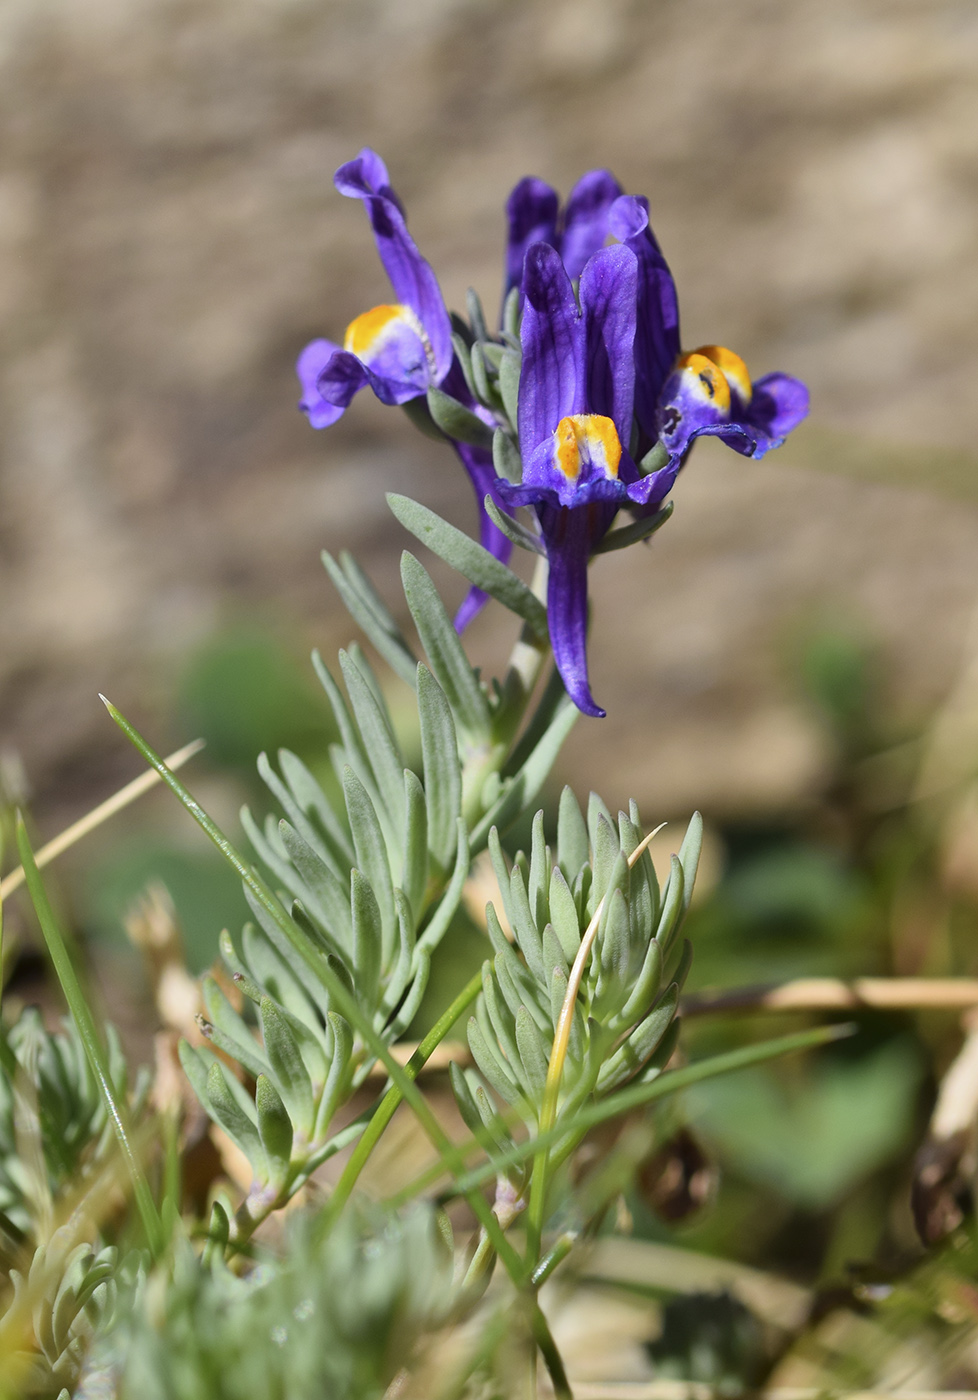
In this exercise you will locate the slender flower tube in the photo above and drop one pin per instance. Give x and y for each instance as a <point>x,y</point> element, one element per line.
<point>576,394</point>
<point>400,349</point>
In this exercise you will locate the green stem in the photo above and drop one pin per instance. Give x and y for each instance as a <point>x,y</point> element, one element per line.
<point>552,1359</point>
<point>85,1021</point>
<point>391,1102</point>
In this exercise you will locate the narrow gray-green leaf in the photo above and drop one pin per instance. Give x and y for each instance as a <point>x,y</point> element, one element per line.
<point>371,852</point>
<point>446,655</point>
<point>379,744</point>
<point>689,856</point>
<point>330,902</point>
<point>672,905</point>
<point>414,869</point>
<point>638,530</point>
<point>641,1044</point>
<point>318,808</point>
<point>457,421</point>
<point>274,1129</point>
<point>509,383</point>
<point>533,1051</point>
<point>442,776</point>
<point>441,919</point>
<point>229,1031</point>
<point>288,1067</point>
<point>366,608</point>
<point>509,465</point>
<point>368,939</point>
<point>240,1125</point>
<point>491,1067</point>
<point>337,1082</point>
<point>472,561</point>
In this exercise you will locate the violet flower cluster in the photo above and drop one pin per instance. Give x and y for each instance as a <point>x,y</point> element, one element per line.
<point>608,405</point>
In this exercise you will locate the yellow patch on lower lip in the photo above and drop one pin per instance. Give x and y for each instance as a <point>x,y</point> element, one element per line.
<point>712,382</point>
<point>586,436</point>
<point>732,367</point>
<point>362,332</point>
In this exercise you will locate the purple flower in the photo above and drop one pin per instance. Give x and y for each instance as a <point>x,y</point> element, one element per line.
<point>401,349</point>
<point>710,392</point>
<point>576,396</point>
<point>533,214</point>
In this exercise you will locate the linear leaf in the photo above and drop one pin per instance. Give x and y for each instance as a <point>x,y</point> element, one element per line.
<point>379,744</point>
<point>240,1124</point>
<point>274,1129</point>
<point>414,871</point>
<point>288,1067</point>
<point>232,1033</point>
<point>636,531</point>
<point>438,924</point>
<point>446,655</point>
<point>317,806</point>
<point>471,560</point>
<point>371,852</point>
<point>457,421</point>
<point>442,777</point>
<point>329,900</point>
<point>365,607</point>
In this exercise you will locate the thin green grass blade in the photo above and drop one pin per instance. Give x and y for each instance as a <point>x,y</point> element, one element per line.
<point>94,1050</point>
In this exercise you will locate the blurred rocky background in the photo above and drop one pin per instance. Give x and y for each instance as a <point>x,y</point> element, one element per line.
<point>170,238</point>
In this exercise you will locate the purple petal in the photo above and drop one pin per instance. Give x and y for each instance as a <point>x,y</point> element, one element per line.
<point>479,465</point>
<point>553,376</point>
<point>545,484</point>
<point>779,404</point>
<point>415,284</point>
<point>652,490</point>
<point>628,217</point>
<point>695,399</point>
<point>531,212</point>
<point>585,224</point>
<point>567,538</point>
<point>608,291</point>
<point>343,376</point>
<point>657,336</point>
<point>309,367</point>
<point>387,343</point>
<point>365,175</point>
